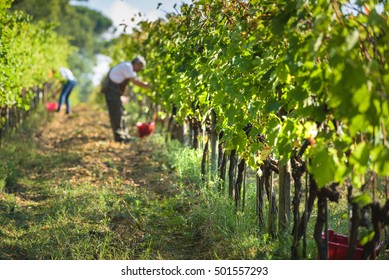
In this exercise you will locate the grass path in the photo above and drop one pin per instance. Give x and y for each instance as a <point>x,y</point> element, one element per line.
<point>75,194</point>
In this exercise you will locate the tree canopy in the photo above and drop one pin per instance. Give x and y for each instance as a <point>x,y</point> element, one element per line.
<point>81,25</point>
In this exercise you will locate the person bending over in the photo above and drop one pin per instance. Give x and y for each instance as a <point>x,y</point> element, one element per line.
<point>114,86</point>
<point>70,82</point>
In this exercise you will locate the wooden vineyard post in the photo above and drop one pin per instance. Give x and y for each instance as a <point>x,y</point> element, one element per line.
<point>204,161</point>
<point>222,163</point>
<point>272,216</point>
<point>355,221</point>
<point>384,142</point>
<point>259,200</point>
<point>284,197</point>
<point>169,125</point>
<point>244,188</point>
<point>324,195</point>
<point>322,245</point>
<point>239,182</point>
<point>7,119</point>
<point>196,132</point>
<point>231,173</point>
<point>298,169</point>
<point>387,186</point>
<point>214,148</point>
<point>305,218</point>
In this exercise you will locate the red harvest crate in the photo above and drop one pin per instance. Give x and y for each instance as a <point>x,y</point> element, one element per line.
<point>145,129</point>
<point>51,106</point>
<point>338,247</point>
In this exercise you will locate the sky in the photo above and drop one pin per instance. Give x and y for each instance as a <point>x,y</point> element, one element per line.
<point>122,11</point>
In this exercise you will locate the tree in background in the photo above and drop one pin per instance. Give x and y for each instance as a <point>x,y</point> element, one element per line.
<point>82,27</point>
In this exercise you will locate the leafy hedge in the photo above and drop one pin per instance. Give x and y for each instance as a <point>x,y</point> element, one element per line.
<point>28,53</point>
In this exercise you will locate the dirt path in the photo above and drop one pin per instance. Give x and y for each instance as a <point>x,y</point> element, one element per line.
<point>87,134</point>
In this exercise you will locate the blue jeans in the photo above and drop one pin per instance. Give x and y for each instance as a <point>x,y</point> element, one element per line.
<point>64,97</point>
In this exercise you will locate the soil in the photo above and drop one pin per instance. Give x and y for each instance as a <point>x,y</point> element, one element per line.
<point>87,135</point>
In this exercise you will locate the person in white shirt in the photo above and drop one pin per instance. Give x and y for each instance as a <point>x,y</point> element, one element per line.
<point>114,87</point>
<point>70,82</point>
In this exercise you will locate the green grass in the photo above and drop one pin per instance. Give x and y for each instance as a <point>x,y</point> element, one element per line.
<point>213,222</point>
<point>73,223</point>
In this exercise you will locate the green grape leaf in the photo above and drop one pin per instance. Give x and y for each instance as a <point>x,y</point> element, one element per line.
<point>380,160</point>
<point>360,155</point>
<point>362,200</point>
<point>367,238</point>
<point>323,165</point>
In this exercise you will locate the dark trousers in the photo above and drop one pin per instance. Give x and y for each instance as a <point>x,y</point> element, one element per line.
<point>115,110</point>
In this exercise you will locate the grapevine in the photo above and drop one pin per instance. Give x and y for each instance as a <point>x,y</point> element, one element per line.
<point>299,85</point>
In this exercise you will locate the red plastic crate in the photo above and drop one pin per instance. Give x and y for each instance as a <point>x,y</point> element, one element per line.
<point>338,247</point>
<point>51,106</point>
<point>145,129</point>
